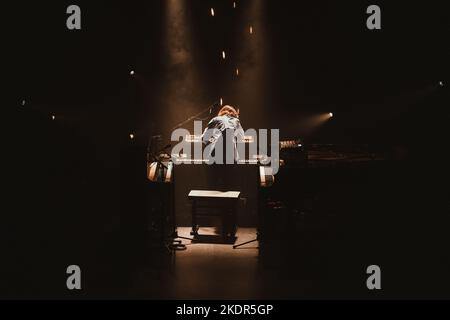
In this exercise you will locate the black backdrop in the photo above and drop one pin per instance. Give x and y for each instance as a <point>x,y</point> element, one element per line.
<point>62,182</point>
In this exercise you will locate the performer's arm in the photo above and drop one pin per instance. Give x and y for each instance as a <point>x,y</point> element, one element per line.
<point>213,131</point>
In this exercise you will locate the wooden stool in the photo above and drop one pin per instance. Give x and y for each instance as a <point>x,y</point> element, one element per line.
<point>215,203</point>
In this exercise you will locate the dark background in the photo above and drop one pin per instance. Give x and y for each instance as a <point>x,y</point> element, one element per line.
<point>63,178</point>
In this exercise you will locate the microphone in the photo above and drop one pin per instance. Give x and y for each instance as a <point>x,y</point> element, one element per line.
<point>214,105</point>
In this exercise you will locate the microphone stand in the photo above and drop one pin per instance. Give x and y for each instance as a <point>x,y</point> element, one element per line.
<point>210,109</point>
<point>175,243</point>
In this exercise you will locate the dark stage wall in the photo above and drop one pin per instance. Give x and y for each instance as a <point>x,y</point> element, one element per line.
<point>75,187</point>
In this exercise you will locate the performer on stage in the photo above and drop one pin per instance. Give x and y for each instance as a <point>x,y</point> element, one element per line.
<point>222,177</point>
<point>227,119</point>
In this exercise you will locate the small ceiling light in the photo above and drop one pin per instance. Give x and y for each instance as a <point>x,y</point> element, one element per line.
<point>53,117</point>
<point>251,30</point>
<point>331,114</point>
<point>131,136</point>
<point>212,12</point>
<point>234,4</point>
<point>441,83</point>
<point>221,101</point>
<point>132,72</point>
<point>223,55</point>
<point>23,102</point>
<point>237,72</point>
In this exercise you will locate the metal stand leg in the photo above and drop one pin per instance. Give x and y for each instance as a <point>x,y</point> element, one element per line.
<point>261,203</point>
<point>247,242</point>
<point>194,231</point>
<point>176,242</point>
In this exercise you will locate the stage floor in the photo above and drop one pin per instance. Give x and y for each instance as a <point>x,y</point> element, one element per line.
<point>206,270</point>
<point>278,270</point>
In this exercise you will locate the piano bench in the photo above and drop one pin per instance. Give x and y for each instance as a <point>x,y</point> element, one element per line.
<point>215,203</point>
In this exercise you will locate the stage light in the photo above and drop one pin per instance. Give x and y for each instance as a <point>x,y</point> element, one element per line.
<point>132,72</point>
<point>251,30</point>
<point>237,72</point>
<point>221,101</point>
<point>212,12</point>
<point>234,4</point>
<point>441,83</point>
<point>131,136</point>
<point>223,55</point>
<point>331,114</point>
<point>53,117</point>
